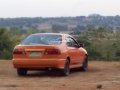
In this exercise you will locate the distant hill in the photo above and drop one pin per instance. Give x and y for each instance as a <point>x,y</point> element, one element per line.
<point>63,24</point>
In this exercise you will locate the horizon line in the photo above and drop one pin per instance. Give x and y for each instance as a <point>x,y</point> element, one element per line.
<point>58,16</point>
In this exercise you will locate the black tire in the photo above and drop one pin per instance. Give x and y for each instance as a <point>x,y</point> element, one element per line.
<point>66,70</point>
<point>21,72</point>
<point>84,66</point>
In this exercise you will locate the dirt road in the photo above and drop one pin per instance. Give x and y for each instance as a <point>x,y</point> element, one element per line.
<point>100,76</point>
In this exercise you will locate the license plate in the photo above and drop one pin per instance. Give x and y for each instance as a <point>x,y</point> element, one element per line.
<point>35,54</point>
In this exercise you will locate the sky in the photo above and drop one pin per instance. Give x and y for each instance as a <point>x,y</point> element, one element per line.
<point>58,8</point>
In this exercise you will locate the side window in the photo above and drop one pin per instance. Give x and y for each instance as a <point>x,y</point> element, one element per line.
<point>71,42</point>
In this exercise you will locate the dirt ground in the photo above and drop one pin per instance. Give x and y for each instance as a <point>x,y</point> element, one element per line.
<point>100,76</point>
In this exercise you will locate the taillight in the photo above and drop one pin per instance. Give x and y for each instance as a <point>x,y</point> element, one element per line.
<point>52,51</point>
<point>19,51</point>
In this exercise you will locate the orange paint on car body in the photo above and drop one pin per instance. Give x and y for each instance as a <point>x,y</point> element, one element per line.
<point>52,54</point>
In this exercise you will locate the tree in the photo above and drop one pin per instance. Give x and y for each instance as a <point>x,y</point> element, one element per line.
<point>6,44</point>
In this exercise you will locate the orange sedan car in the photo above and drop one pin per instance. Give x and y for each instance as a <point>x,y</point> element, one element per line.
<point>43,51</point>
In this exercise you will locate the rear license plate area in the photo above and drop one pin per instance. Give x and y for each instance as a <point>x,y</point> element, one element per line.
<point>35,54</point>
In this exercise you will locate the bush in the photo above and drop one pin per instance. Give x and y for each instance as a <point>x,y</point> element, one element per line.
<point>7,42</point>
<point>101,44</point>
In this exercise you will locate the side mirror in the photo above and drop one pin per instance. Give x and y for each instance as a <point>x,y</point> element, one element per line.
<point>81,45</point>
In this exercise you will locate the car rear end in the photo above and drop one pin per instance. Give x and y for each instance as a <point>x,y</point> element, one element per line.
<point>39,54</point>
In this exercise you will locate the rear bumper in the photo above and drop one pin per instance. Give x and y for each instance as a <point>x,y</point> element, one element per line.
<point>39,64</point>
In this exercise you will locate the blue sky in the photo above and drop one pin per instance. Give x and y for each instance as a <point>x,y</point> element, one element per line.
<point>57,8</point>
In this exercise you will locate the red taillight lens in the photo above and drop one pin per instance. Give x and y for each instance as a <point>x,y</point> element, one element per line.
<point>18,51</point>
<point>52,51</point>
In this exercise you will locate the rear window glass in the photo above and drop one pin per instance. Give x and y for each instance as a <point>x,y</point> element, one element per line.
<point>43,39</point>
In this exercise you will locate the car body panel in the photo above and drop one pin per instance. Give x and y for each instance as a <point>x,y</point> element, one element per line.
<point>35,57</point>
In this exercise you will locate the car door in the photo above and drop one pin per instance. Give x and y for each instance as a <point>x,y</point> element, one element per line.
<point>81,52</point>
<point>73,50</point>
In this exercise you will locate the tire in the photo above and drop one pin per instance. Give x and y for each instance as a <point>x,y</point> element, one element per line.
<point>66,70</point>
<point>21,72</point>
<point>84,66</point>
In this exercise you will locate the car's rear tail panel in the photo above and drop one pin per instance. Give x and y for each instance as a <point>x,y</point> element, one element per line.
<point>35,56</point>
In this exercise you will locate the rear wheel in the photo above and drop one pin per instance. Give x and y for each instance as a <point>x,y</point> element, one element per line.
<point>21,72</point>
<point>66,70</point>
<point>85,64</point>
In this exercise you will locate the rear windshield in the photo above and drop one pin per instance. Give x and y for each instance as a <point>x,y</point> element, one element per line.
<point>43,39</point>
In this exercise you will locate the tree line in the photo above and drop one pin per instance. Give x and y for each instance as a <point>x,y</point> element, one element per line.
<point>78,23</point>
<point>100,43</point>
